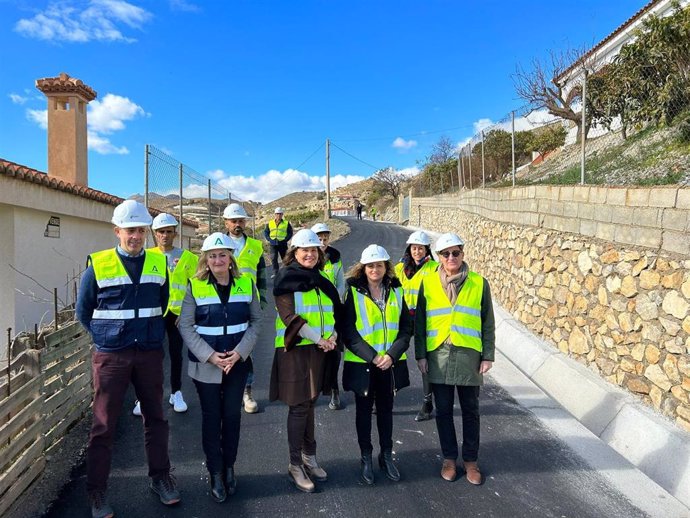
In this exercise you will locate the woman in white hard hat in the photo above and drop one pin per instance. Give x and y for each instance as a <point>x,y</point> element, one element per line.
<point>417,262</point>
<point>333,269</point>
<point>309,309</point>
<point>218,322</point>
<point>454,345</point>
<point>376,333</point>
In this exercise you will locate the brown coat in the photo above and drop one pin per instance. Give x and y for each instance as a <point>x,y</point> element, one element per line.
<point>297,374</point>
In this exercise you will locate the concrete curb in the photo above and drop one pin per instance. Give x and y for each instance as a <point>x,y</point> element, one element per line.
<point>648,441</point>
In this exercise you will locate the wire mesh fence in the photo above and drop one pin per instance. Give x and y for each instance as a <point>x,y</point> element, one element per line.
<point>174,187</point>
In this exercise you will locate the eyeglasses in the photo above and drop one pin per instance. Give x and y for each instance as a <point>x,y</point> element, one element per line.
<point>445,254</point>
<point>165,231</point>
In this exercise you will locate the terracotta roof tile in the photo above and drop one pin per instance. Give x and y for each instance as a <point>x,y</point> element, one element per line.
<point>67,85</point>
<point>20,172</point>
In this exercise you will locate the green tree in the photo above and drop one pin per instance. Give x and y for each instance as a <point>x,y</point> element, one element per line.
<point>498,150</point>
<point>547,138</point>
<point>389,182</point>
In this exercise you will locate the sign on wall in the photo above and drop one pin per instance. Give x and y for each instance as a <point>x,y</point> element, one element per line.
<point>53,227</point>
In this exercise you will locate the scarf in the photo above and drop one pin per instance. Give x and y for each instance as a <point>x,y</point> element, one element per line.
<point>332,254</point>
<point>452,284</point>
<point>295,277</point>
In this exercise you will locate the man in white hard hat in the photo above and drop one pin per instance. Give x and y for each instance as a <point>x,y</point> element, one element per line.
<point>181,267</point>
<point>249,254</point>
<point>121,302</point>
<point>454,345</point>
<point>278,232</point>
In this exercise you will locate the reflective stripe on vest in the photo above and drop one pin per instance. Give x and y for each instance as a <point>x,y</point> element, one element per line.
<point>316,308</point>
<point>411,286</point>
<point>183,271</point>
<point>278,232</point>
<point>109,271</point>
<point>248,260</point>
<point>375,328</point>
<point>461,322</point>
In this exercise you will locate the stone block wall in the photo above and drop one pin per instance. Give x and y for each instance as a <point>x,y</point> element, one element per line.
<point>616,305</point>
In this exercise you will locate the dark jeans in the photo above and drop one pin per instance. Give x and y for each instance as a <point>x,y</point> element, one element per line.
<point>112,373</point>
<point>332,366</point>
<point>278,250</point>
<point>220,417</point>
<point>381,392</point>
<point>444,396</point>
<point>300,425</point>
<point>175,348</point>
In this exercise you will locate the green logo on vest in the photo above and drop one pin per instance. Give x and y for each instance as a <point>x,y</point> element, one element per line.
<point>239,289</point>
<point>219,241</point>
<point>154,269</point>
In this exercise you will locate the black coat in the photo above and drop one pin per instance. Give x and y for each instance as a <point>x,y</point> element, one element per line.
<point>356,376</point>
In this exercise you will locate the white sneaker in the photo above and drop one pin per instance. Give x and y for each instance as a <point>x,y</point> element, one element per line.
<point>249,403</point>
<point>177,401</point>
<point>137,409</point>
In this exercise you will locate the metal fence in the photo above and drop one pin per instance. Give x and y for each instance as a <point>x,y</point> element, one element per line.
<point>174,187</point>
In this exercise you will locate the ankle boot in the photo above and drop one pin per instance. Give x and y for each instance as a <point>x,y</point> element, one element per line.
<point>334,404</point>
<point>367,474</point>
<point>217,487</point>
<point>299,477</point>
<point>313,469</point>
<point>387,465</point>
<point>230,481</point>
<point>424,413</point>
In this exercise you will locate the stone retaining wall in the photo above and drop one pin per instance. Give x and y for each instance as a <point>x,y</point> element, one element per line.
<point>623,310</point>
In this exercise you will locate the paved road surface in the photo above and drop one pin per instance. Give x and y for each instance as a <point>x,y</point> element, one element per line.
<point>529,471</point>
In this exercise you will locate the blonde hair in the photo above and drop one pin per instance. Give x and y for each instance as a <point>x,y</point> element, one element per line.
<point>357,271</point>
<point>202,270</point>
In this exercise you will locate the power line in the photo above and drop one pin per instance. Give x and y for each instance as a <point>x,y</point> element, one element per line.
<point>310,156</point>
<point>421,134</point>
<point>353,156</point>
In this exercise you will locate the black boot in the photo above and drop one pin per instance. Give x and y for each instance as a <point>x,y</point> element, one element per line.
<point>387,465</point>
<point>230,482</point>
<point>218,492</point>
<point>424,413</point>
<point>367,474</point>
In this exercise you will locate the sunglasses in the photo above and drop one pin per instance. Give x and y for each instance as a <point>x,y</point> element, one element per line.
<point>447,254</point>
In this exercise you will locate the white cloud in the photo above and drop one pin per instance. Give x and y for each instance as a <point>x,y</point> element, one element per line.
<point>100,21</point>
<point>18,99</point>
<point>110,114</point>
<point>272,184</point>
<point>409,171</point>
<point>40,117</point>
<point>184,6</point>
<point>103,146</point>
<point>402,144</point>
<point>481,124</point>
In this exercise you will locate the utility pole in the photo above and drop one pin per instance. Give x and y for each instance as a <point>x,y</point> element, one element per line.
<point>483,175</point>
<point>512,142</point>
<point>328,179</point>
<point>181,213</point>
<point>583,138</point>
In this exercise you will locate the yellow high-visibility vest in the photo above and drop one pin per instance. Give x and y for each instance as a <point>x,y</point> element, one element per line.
<point>316,308</point>
<point>183,271</point>
<point>411,286</point>
<point>278,231</point>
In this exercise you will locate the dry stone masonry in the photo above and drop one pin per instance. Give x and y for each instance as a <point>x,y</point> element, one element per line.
<point>620,309</point>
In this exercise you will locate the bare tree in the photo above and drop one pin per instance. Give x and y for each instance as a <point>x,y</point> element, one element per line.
<point>442,151</point>
<point>388,181</point>
<point>540,88</point>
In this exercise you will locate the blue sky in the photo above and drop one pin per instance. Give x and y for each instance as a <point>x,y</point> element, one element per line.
<point>245,91</point>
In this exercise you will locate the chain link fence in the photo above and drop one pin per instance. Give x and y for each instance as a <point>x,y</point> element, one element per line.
<point>174,187</point>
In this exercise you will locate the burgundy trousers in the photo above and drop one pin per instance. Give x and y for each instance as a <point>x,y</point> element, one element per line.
<point>112,374</point>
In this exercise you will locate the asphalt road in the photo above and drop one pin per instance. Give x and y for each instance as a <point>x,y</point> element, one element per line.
<point>529,471</point>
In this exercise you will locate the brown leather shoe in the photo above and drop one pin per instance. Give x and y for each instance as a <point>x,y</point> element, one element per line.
<point>449,471</point>
<point>299,477</point>
<point>473,474</point>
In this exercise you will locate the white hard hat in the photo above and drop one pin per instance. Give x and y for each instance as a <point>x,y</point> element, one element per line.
<point>130,214</point>
<point>235,211</point>
<point>448,240</point>
<point>374,254</point>
<point>419,238</point>
<point>217,241</point>
<point>279,210</point>
<point>164,220</point>
<point>305,238</point>
<point>320,227</point>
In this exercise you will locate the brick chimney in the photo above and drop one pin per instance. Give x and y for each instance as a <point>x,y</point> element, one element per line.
<point>67,139</point>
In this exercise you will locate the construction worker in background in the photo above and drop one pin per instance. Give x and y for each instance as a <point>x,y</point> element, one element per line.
<point>249,254</point>
<point>278,232</point>
<point>122,298</point>
<point>181,267</point>
<point>417,262</point>
<point>333,269</point>
<point>373,213</point>
<point>358,208</point>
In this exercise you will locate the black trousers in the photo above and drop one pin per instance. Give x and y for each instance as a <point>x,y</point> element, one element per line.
<point>444,396</point>
<point>175,349</point>
<point>220,417</point>
<point>278,250</point>
<point>380,392</point>
<point>300,426</point>
<point>331,367</point>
